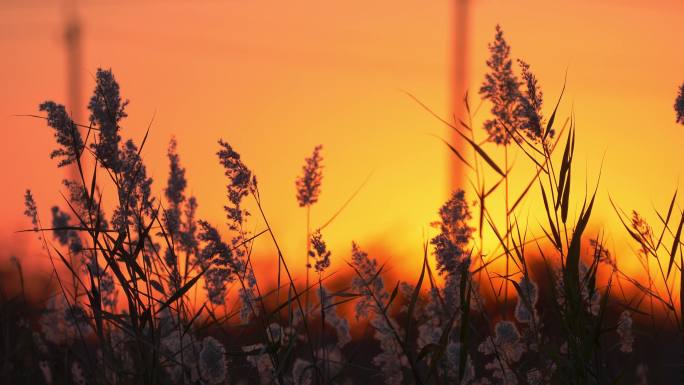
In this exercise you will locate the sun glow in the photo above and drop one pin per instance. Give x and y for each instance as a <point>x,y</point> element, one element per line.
<point>264,83</point>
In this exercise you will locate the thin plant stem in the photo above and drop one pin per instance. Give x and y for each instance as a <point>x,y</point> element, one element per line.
<point>308,249</point>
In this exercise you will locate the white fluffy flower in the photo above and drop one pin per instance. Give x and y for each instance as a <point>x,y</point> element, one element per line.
<point>624,330</point>
<point>213,361</point>
<point>527,300</point>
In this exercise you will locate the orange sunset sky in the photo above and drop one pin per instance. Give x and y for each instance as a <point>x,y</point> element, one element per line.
<point>275,78</point>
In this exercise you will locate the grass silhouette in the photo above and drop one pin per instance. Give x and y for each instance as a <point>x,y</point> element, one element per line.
<point>125,308</point>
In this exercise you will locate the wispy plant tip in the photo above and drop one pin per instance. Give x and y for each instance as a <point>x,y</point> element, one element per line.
<point>309,183</point>
<point>679,105</point>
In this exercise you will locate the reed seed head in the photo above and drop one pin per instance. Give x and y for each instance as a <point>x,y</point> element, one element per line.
<point>309,184</point>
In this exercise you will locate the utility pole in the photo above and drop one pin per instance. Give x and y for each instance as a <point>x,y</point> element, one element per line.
<point>74,67</point>
<point>459,71</point>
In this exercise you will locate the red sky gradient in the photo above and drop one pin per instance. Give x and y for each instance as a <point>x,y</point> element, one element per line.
<point>276,78</point>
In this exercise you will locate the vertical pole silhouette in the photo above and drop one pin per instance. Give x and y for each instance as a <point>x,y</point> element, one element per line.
<point>459,77</point>
<point>74,67</point>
